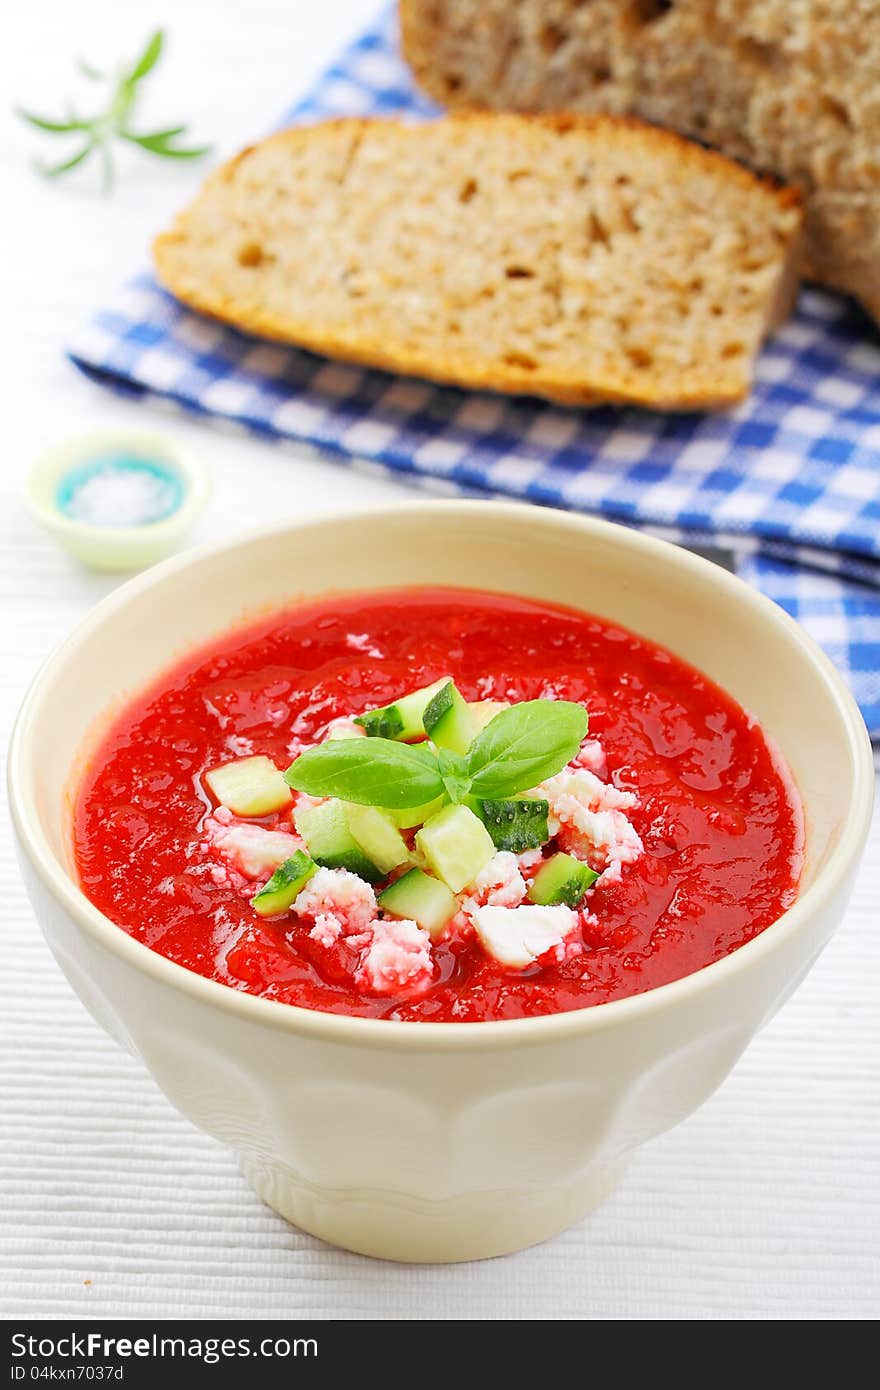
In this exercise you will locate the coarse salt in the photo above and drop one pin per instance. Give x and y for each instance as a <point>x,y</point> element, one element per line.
<point>120,495</point>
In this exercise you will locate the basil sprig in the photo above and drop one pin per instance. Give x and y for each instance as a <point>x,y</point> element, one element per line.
<point>519,748</point>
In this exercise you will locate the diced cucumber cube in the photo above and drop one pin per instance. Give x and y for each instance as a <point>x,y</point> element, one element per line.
<point>285,885</point>
<point>517,824</point>
<point>377,836</point>
<point>383,723</point>
<point>403,719</point>
<point>409,816</point>
<point>563,879</point>
<point>447,720</point>
<point>484,711</point>
<point>423,898</point>
<point>456,845</point>
<point>346,731</point>
<point>249,786</point>
<point>325,830</point>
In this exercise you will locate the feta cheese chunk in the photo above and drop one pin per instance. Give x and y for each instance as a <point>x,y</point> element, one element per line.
<point>591,755</point>
<point>517,936</point>
<point>399,956</point>
<point>587,790</point>
<point>587,817</point>
<point>252,850</point>
<point>338,903</point>
<point>499,884</point>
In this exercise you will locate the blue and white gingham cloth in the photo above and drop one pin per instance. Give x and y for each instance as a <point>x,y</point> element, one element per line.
<point>789,481</point>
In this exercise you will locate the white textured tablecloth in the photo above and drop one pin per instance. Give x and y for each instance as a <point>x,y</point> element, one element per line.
<point>763,1205</point>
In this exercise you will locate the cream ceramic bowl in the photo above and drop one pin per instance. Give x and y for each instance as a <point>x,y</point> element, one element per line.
<point>421,1141</point>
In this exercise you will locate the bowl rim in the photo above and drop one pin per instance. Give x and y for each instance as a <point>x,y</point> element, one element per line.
<point>489,1034</point>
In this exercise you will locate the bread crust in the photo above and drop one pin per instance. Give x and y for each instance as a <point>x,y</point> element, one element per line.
<point>182,253</point>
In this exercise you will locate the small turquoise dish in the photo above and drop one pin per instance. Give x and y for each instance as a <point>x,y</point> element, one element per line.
<point>118,500</point>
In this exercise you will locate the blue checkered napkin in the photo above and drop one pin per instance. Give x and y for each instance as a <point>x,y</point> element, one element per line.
<point>843,616</point>
<point>790,481</point>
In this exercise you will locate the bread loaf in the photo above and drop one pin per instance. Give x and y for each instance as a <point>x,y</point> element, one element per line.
<point>790,87</point>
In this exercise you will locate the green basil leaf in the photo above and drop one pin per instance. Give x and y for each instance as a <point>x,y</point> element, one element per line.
<point>523,745</point>
<point>453,770</point>
<point>369,771</point>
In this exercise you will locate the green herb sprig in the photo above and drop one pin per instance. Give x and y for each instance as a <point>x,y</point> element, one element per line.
<point>114,121</point>
<point>519,748</point>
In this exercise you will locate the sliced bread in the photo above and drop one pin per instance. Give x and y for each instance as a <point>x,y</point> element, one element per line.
<point>791,89</point>
<point>583,259</point>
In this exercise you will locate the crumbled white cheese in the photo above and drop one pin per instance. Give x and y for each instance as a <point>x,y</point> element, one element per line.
<point>327,930</point>
<point>530,858</point>
<point>587,789</point>
<point>587,817</point>
<point>499,884</point>
<point>517,936</point>
<point>591,755</point>
<point>399,956</point>
<point>252,850</point>
<point>336,902</point>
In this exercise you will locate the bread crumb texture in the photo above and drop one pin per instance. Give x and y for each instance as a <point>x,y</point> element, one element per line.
<point>583,259</point>
<point>790,87</point>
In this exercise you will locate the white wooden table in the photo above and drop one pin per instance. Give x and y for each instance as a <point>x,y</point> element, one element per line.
<point>764,1205</point>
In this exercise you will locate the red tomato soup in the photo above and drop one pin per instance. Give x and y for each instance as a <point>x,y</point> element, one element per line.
<point>676,810</point>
